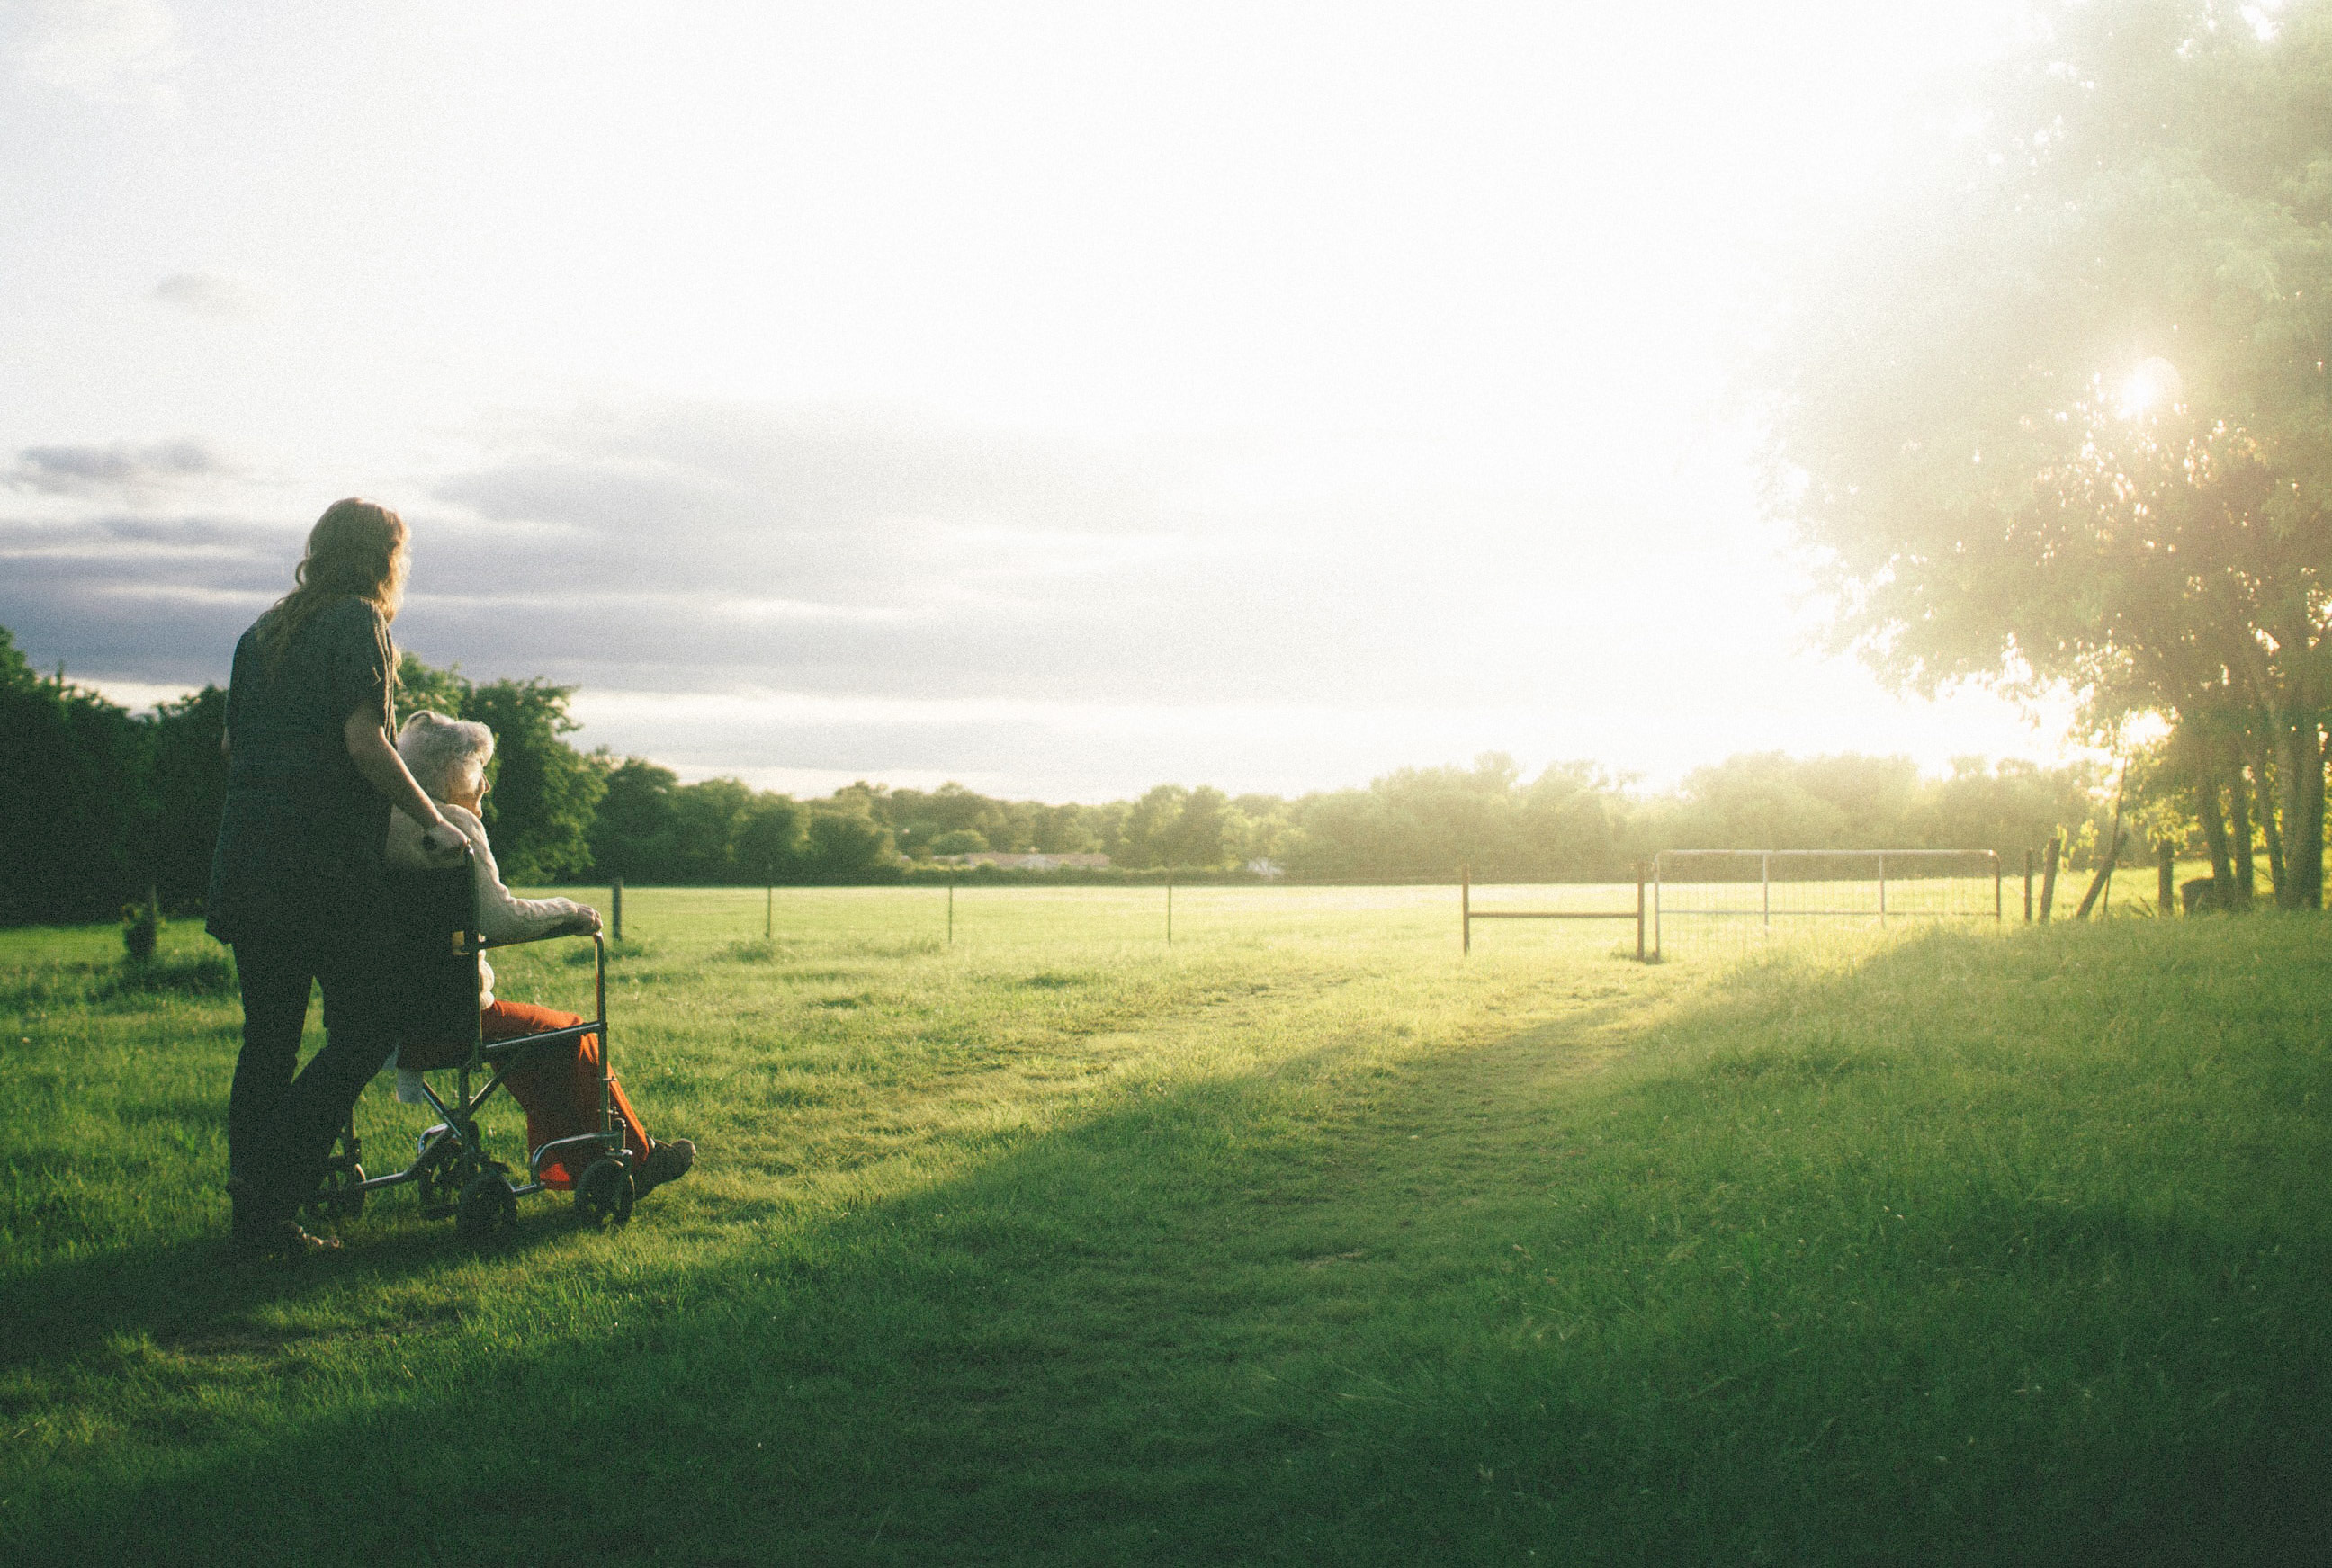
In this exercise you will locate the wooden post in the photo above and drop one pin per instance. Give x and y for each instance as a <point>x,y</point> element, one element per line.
<point>1465,910</point>
<point>616,907</point>
<point>769,911</point>
<point>2103,882</point>
<point>2165,881</point>
<point>1639,911</point>
<point>2101,886</point>
<point>2049,874</point>
<point>2028,887</point>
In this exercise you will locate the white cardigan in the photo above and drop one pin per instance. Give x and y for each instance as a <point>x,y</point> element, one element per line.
<point>503,915</point>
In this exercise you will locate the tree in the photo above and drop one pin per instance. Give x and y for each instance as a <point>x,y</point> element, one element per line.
<point>1144,834</point>
<point>2058,416</point>
<point>2012,807</point>
<point>635,832</point>
<point>845,843</point>
<point>1196,837</point>
<point>1756,801</point>
<point>707,820</point>
<point>1574,820</point>
<point>422,688</point>
<point>769,839</point>
<point>183,794</point>
<point>545,791</point>
<point>70,798</point>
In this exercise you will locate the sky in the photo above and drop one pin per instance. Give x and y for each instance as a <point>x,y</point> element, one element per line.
<point>1058,398</point>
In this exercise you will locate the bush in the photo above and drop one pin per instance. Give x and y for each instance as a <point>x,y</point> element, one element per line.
<point>141,927</point>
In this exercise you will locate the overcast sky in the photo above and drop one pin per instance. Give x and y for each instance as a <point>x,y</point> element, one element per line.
<point>1063,398</point>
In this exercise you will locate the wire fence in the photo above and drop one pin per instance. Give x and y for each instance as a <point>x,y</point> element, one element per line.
<point>1737,897</point>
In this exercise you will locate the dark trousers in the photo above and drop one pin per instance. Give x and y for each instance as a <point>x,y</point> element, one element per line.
<point>279,1123</point>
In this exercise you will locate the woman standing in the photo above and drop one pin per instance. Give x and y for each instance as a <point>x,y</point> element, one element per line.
<point>296,881</point>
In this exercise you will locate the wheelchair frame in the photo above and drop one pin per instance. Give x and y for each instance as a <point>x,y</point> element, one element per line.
<point>451,1166</point>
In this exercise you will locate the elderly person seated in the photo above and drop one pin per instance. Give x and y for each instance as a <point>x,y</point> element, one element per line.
<point>558,1089</point>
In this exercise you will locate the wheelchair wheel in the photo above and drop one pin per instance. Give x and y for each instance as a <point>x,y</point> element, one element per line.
<point>340,1195</point>
<point>487,1207</point>
<point>604,1196</point>
<point>440,1180</point>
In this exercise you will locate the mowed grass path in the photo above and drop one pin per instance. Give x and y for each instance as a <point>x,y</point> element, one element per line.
<point>1302,1241</point>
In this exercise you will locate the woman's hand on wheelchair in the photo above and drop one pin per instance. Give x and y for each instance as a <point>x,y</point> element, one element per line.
<point>443,840</point>
<point>584,922</point>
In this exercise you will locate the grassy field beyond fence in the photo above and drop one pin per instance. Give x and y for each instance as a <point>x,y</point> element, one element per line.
<point>1304,1240</point>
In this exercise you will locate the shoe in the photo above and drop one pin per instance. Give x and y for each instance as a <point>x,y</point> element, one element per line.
<point>667,1161</point>
<point>282,1240</point>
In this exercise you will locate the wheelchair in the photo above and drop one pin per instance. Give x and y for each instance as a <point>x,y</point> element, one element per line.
<point>438,1026</point>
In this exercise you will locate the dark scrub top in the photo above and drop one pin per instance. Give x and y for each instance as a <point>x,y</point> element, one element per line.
<point>302,844</point>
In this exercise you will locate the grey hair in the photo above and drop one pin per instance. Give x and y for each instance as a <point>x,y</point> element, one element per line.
<point>443,753</point>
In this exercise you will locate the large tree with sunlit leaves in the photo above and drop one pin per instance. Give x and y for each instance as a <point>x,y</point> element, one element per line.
<point>2056,414</point>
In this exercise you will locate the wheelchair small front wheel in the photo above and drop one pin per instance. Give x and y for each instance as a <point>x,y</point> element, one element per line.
<point>341,1196</point>
<point>487,1207</point>
<point>604,1196</point>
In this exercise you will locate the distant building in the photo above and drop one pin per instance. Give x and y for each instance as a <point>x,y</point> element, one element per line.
<point>1007,861</point>
<point>1262,867</point>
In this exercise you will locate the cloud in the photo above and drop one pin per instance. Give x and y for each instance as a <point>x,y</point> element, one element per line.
<point>709,546</point>
<point>705,544</point>
<point>209,294</point>
<point>892,593</point>
<point>141,598</point>
<point>111,51</point>
<point>118,470</point>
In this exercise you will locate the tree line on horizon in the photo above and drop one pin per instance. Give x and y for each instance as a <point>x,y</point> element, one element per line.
<point>104,804</point>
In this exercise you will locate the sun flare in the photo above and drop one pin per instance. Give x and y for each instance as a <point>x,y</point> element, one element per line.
<point>2154,387</point>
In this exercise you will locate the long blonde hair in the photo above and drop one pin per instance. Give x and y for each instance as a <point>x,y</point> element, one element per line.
<point>356,551</point>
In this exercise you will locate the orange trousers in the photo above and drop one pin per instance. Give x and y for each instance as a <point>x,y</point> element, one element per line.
<point>558,1089</point>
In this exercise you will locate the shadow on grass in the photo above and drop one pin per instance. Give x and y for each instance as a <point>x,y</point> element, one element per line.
<point>1466,1308</point>
<point>202,1291</point>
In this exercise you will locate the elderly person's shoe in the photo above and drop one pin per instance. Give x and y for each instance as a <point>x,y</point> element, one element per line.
<point>668,1161</point>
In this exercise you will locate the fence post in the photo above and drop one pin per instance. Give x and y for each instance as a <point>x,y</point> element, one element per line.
<point>769,910</point>
<point>2028,887</point>
<point>1765,884</point>
<point>616,907</point>
<point>2049,873</point>
<point>1639,911</point>
<point>2165,880</point>
<point>1465,910</point>
<point>1882,892</point>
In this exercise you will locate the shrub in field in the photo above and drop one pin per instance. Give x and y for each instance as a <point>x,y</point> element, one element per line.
<point>142,926</point>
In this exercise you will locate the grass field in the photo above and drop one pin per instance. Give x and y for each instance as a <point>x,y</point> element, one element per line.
<point>1301,1242</point>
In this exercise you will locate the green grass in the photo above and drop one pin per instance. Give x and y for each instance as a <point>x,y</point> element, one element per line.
<point>1302,1241</point>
